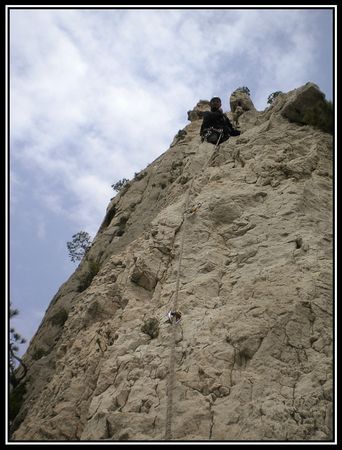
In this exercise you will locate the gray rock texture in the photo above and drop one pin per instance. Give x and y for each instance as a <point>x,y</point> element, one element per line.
<point>240,98</point>
<point>253,352</point>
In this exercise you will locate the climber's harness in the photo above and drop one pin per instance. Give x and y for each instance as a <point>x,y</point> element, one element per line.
<point>212,135</point>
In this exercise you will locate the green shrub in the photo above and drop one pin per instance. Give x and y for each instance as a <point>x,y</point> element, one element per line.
<point>94,310</point>
<point>244,89</point>
<point>15,339</point>
<point>139,175</point>
<point>39,353</point>
<point>93,269</point>
<point>122,225</point>
<point>151,327</point>
<point>120,184</point>
<point>273,96</point>
<point>59,317</point>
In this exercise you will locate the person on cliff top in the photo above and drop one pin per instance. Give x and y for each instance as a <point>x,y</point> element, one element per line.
<point>216,123</point>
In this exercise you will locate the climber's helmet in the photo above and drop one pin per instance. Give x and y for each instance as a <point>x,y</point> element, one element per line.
<point>215,103</point>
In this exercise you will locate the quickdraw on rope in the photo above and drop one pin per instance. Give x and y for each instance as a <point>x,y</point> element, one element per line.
<point>174,315</point>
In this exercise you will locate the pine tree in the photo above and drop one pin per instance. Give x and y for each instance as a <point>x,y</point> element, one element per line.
<point>15,339</point>
<point>79,245</point>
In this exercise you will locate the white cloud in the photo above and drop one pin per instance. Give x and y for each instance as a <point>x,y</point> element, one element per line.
<point>98,94</point>
<point>41,228</point>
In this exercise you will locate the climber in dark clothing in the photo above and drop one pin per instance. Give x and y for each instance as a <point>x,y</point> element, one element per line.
<point>215,123</point>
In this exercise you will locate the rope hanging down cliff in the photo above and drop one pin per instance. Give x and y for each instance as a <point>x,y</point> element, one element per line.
<point>171,378</point>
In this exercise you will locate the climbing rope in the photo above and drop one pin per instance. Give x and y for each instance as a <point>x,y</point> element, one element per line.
<point>171,379</point>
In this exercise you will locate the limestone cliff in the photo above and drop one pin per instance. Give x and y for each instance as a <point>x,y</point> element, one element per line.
<point>243,238</point>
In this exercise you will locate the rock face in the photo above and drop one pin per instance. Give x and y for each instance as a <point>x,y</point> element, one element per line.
<point>253,350</point>
<point>197,112</point>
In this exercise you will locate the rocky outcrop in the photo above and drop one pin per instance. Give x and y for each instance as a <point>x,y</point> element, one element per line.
<point>308,106</point>
<point>240,102</point>
<point>197,112</point>
<point>240,99</point>
<point>253,350</point>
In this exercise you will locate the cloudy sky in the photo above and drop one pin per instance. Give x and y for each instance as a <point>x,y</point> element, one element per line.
<point>95,95</point>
